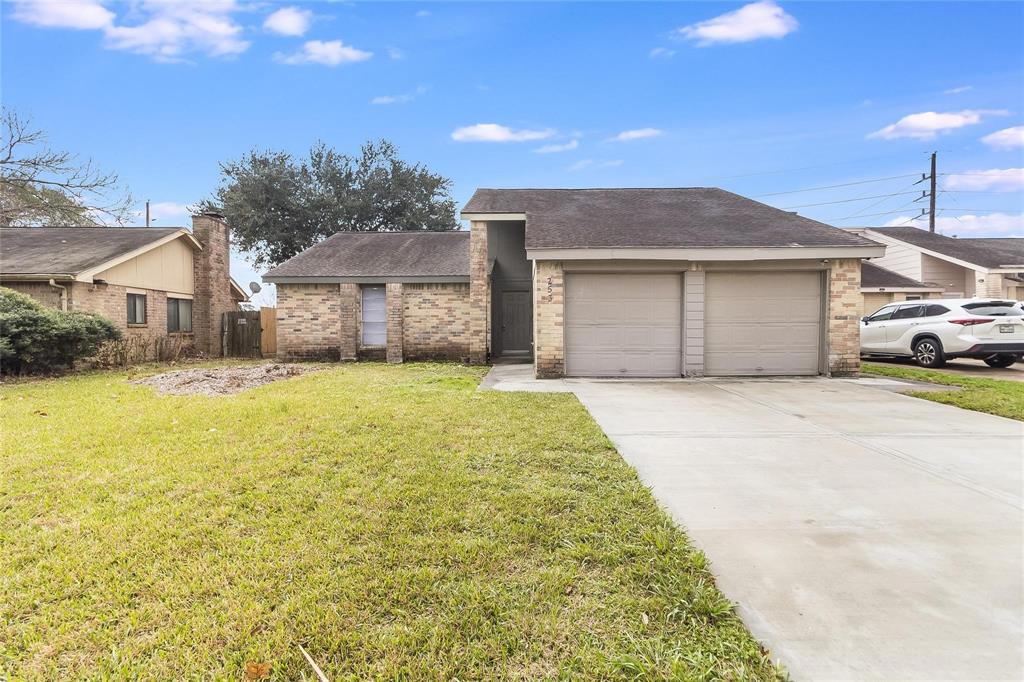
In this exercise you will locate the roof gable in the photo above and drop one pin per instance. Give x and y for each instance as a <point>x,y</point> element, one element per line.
<point>985,253</point>
<point>698,217</point>
<point>72,251</point>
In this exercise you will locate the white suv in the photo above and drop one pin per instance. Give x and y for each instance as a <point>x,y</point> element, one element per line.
<point>935,330</point>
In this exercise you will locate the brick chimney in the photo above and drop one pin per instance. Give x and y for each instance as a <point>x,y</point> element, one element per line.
<point>212,295</point>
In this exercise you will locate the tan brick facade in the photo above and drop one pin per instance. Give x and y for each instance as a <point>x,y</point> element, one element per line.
<point>479,293</point>
<point>212,281</point>
<point>437,322</point>
<point>844,309</point>
<point>41,291</point>
<point>309,322</point>
<point>549,319</point>
<point>425,322</point>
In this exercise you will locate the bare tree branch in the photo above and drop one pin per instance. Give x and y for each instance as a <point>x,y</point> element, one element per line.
<point>40,186</point>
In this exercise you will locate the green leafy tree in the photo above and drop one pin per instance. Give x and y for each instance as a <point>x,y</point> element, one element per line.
<point>278,205</point>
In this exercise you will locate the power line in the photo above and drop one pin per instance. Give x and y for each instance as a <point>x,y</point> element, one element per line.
<point>867,215</point>
<point>861,212</point>
<point>845,184</point>
<point>846,201</point>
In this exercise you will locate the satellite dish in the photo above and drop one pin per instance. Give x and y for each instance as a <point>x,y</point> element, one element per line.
<point>254,287</point>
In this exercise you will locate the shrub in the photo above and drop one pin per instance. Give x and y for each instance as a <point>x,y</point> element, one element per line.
<point>34,338</point>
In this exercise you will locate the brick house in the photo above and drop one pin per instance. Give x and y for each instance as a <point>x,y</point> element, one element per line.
<point>151,282</point>
<point>599,282</point>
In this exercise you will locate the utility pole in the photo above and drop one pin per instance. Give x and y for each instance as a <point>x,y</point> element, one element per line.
<point>147,200</point>
<point>931,197</point>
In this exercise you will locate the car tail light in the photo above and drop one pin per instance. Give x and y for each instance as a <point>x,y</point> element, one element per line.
<point>971,321</point>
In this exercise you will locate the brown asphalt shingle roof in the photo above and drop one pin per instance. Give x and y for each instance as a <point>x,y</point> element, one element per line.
<point>976,251</point>
<point>875,276</point>
<point>381,254</point>
<point>698,217</point>
<point>70,250</point>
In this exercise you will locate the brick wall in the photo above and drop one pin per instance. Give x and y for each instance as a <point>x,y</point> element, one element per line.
<point>436,322</point>
<point>41,291</point>
<point>395,312</point>
<point>479,293</point>
<point>549,319</point>
<point>844,308</point>
<point>309,321</point>
<point>212,281</point>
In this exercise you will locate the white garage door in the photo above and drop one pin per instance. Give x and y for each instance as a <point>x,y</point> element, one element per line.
<point>622,325</point>
<point>762,323</point>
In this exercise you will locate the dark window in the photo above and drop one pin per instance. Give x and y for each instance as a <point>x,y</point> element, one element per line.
<point>136,309</point>
<point>935,309</point>
<point>913,297</point>
<point>883,314</point>
<point>179,315</point>
<point>908,311</point>
<point>995,308</point>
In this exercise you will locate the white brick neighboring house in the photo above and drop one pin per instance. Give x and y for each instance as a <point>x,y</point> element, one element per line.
<point>595,282</point>
<point>961,268</point>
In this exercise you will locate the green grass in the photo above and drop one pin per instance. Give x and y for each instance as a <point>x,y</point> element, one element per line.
<point>393,520</point>
<point>994,396</point>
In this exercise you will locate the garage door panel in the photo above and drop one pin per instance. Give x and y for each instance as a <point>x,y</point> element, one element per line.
<point>762,323</point>
<point>623,325</point>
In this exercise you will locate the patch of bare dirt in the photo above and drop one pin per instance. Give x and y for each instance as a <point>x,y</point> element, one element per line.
<point>223,380</point>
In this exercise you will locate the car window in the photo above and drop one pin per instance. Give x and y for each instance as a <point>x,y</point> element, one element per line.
<point>882,314</point>
<point>935,309</point>
<point>995,308</point>
<point>908,311</point>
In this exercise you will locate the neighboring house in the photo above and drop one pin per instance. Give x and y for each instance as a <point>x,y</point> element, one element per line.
<point>880,286</point>
<point>599,282</point>
<point>963,268</point>
<point>151,282</point>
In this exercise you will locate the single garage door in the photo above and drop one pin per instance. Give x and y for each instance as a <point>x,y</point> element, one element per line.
<point>762,323</point>
<point>623,325</point>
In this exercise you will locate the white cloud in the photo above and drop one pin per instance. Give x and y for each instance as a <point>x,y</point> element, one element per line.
<point>926,125</point>
<point>424,13</point>
<point>586,164</point>
<point>166,30</point>
<point>757,20</point>
<point>990,225</point>
<point>399,99</point>
<point>993,180</point>
<point>289,21</point>
<point>85,14</point>
<point>395,53</point>
<point>492,132</point>
<point>555,148</point>
<point>1007,138</point>
<point>638,134</point>
<point>661,53</point>
<point>328,53</point>
<point>958,90</point>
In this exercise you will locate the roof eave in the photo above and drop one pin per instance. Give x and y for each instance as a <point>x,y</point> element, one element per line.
<point>717,253</point>
<point>364,279</point>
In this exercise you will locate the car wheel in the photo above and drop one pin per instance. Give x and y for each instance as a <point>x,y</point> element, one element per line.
<point>928,353</point>
<point>1004,360</point>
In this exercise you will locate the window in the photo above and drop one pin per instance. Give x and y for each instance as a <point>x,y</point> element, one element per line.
<point>935,309</point>
<point>136,309</point>
<point>179,315</point>
<point>913,297</point>
<point>908,312</point>
<point>995,308</point>
<point>883,314</point>
<point>375,317</point>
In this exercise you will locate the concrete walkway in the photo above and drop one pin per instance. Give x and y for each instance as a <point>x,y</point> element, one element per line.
<point>863,534</point>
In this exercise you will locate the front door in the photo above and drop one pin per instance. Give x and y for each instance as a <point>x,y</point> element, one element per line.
<point>516,322</point>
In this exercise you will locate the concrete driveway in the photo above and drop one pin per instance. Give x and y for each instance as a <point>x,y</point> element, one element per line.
<point>863,534</point>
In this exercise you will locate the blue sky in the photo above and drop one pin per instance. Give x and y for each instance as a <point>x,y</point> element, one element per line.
<point>758,98</point>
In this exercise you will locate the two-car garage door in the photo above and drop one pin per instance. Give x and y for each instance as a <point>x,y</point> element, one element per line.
<point>755,323</point>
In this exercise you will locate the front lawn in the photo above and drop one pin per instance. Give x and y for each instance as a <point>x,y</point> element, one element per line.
<point>393,520</point>
<point>995,396</point>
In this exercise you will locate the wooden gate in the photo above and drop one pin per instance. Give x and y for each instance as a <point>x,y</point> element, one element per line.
<point>242,332</point>
<point>268,339</point>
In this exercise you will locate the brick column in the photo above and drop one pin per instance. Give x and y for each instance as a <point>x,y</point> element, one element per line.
<point>395,330</point>
<point>479,292</point>
<point>549,319</point>
<point>348,332</point>
<point>212,295</point>
<point>844,303</point>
